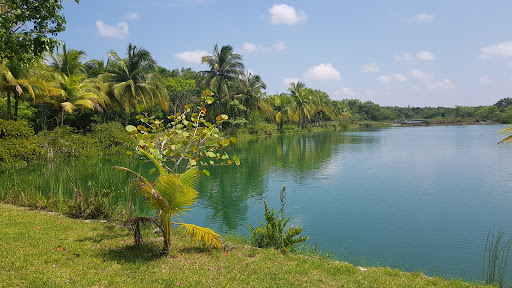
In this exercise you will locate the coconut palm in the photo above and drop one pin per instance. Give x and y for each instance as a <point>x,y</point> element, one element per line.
<point>301,97</point>
<point>225,69</point>
<point>74,92</point>
<point>249,92</point>
<point>95,67</point>
<point>171,195</point>
<point>13,82</point>
<point>283,108</point>
<point>68,62</point>
<point>134,80</point>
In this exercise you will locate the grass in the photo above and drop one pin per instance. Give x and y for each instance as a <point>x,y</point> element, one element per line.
<point>42,249</point>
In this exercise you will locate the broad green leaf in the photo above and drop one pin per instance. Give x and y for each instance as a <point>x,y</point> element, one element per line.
<point>206,172</point>
<point>237,162</point>
<point>140,108</point>
<point>209,100</point>
<point>131,129</point>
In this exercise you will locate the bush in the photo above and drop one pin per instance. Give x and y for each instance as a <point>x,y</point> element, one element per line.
<point>262,128</point>
<point>112,138</point>
<point>271,233</point>
<point>15,129</point>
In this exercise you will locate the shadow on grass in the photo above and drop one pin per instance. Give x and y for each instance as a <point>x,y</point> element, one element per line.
<point>106,233</point>
<point>134,254</point>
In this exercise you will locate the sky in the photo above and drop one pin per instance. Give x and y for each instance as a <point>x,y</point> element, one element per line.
<point>393,53</point>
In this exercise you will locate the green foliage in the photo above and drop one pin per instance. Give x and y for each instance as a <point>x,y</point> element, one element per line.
<point>28,28</point>
<point>98,204</point>
<point>262,128</point>
<point>496,255</point>
<point>187,142</point>
<point>15,129</point>
<point>112,138</point>
<point>272,233</point>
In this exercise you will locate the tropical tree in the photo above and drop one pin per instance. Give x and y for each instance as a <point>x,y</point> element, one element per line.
<point>225,69</point>
<point>319,105</point>
<point>249,91</point>
<point>13,82</point>
<point>95,67</point>
<point>134,80</point>
<point>75,92</point>
<point>301,97</point>
<point>68,62</point>
<point>283,107</point>
<point>28,28</point>
<point>185,143</point>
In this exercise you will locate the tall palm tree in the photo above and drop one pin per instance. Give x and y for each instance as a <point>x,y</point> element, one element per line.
<point>249,92</point>
<point>301,97</point>
<point>282,105</point>
<point>13,82</point>
<point>68,62</point>
<point>225,69</point>
<point>134,79</point>
<point>95,67</point>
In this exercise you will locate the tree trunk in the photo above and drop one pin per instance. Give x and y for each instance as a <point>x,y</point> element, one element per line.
<point>8,105</point>
<point>62,118</point>
<point>16,103</point>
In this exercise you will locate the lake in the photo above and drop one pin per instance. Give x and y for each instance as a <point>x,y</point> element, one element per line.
<point>414,198</point>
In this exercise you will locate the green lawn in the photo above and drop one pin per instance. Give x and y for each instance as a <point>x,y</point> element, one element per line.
<point>41,249</point>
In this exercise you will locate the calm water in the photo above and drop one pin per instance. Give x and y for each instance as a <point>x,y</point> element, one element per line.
<point>417,198</point>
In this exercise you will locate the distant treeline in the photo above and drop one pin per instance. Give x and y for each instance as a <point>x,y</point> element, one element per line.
<point>62,89</point>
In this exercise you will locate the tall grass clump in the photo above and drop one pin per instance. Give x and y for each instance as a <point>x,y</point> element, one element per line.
<point>497,251</point>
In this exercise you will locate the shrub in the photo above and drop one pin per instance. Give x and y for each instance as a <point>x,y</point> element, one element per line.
<point>262,128</point>
<point>112,138</point>
<point>15,129</point>
<point>271,233</point>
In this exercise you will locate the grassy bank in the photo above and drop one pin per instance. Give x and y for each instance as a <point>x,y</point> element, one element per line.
<point>41,249</point>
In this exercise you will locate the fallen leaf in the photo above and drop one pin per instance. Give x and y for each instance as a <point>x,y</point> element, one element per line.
<point>225,253</point>
<point>38,228</point>
<point>179,284</point>
<point>60,248</point>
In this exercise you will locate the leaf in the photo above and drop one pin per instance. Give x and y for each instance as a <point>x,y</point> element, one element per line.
<point>140,108</point>
<point>192,162</point>
<point>209,100</point>
<point>38,228</point>
<point>205,235</point>
<point>131,129</point>
<point>60,248</point>
<point>206,172</point>
<point>233,140</point>
<point>237,162</point>
<point>152,171</point>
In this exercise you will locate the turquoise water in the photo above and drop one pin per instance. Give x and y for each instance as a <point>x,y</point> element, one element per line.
<point>415,198</point>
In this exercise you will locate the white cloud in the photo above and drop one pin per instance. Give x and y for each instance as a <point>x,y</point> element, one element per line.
<point>323,72</point>
<point>486,81</point>
<point>133,16</point>
<point>284,14</point>
<point>424,17</point>
<point>425,55</point>
<point>373,68</point>
<point>396,77</point>
<point>250,47</point>
<point>502,49</point>
<point>289,80</point>
<point>192,56</point>
<point>442,85</point>
<point>404,57</point>
<point>346,92</point>
<point>280,46</point>
<point>120,31</point>
<point>418,74</point>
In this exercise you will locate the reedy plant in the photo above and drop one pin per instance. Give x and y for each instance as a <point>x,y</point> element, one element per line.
<point>496,255</point>
<point>187,142</point>
<point>272,233</point>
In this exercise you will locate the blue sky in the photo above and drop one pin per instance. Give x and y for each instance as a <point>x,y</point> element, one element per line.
<point>394,53</point>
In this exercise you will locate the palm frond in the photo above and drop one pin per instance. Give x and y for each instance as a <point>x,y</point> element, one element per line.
<point>508,133</point>
<point>201,234</point>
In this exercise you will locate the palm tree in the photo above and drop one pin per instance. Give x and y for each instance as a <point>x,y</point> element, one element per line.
<point>249,92</point>
<point>282,105</point>
<point>225,68</point>
<point>299,94</point>
<point>95,67</point>
<point>134,79</point>
<point>171,195</point>
<point>69,62</point>
<point>75,92</point>
<point>13,82</point>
